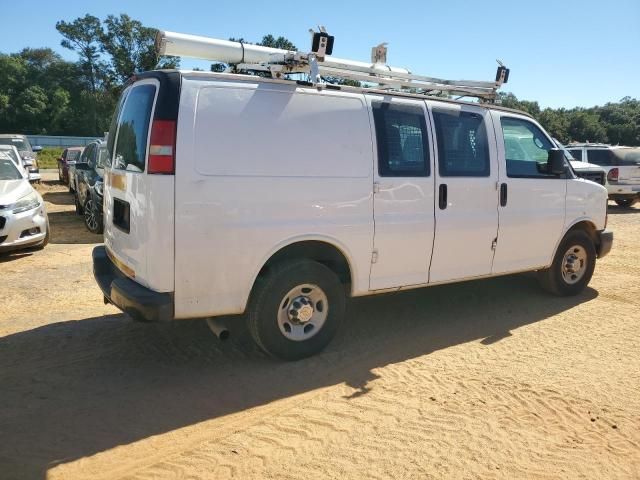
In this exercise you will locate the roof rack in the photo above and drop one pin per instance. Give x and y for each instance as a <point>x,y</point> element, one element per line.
<point>318,64</point>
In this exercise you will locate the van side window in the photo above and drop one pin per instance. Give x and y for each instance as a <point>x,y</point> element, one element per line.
<point>526,149</point>
<point>403,146</point>
<point>463,149</point>
<point>133,129</point>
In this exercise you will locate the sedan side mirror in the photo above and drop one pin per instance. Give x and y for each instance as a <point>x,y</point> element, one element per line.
<point>555,162</point>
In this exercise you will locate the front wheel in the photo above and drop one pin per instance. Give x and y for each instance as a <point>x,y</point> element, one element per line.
<point>92,217</point>
<point>626,202</point>
<point>296,309</point>
<point>572,266</point>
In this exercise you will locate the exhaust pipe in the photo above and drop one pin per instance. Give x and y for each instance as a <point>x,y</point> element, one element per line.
<point>218,328</point>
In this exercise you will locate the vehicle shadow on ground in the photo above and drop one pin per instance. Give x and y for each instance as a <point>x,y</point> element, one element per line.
<point>68,228</point>
<point>58,198</point>
<point>15,254</point>
<point>617,210</point>
<point>76,388</point>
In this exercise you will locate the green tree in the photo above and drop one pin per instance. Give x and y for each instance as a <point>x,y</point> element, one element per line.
<point>83,36</point>
<point>131,47</point>
<point>280,42</point>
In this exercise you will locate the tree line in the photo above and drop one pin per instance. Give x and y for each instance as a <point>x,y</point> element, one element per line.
<point>41,93</point>
<point>617,123</point>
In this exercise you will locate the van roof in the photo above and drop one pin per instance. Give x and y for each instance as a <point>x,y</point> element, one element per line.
<point>347,88</point>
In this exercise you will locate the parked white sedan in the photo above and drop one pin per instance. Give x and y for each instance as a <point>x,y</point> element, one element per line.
<point>23,218</point>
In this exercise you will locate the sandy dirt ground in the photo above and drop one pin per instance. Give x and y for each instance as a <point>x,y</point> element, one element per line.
<point>486,379</point>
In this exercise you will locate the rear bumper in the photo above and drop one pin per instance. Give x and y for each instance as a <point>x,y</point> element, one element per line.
<point>623,189</point>
<point>129,296</point>
<point>606,242</point>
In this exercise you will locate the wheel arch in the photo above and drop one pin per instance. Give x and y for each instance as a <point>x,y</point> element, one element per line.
<point>323,250</point>
<point>584,224</point>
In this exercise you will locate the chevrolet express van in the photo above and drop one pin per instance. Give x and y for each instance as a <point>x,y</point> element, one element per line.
<point>230,194</point>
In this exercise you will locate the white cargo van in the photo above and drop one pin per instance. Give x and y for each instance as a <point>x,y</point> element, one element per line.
<point>232,194</point>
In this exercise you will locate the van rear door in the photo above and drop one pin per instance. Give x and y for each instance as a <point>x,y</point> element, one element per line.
<point>138,202</point>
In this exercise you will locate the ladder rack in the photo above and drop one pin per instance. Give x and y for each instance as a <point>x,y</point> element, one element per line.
<point>318,63</point>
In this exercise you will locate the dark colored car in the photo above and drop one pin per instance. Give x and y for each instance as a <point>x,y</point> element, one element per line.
<point>88,175</point>
<point>69,157</point>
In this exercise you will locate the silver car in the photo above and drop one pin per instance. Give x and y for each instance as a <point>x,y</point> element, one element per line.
<point>23,218</point>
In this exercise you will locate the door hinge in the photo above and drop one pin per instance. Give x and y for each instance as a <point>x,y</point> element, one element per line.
<point>374,256</point>
<point>494,244</point>
<point>376,187</point>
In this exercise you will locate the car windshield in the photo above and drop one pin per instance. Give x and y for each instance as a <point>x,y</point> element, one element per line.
<point>22,144</point>
<point>8,170</point>
<point>12,154</point>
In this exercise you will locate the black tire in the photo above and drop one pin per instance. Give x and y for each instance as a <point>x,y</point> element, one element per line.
<point>92,217</point>
<point>626,202</point>
<point>553,280</point>
<point>79,209</point>
<point>269,295</point>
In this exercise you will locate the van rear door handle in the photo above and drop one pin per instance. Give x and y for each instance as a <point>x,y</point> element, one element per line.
<point>503,194</point>
<point>442,197</point>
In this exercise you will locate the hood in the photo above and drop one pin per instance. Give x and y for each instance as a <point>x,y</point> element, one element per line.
<point>26,154</point>
<point>12,190</point>
<point>578,165</point>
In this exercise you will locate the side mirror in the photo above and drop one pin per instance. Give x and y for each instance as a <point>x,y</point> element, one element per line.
<point>555,162</point>
<point>36,149</point>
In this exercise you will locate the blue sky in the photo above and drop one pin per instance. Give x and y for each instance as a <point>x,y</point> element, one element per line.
<point>561,53</point>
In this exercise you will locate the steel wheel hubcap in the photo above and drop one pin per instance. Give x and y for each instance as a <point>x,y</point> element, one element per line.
<point>90,216</point>
<point>574,264</point>
<point>302,312</point>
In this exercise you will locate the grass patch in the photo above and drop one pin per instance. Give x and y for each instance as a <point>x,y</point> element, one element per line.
<point>48,157</point>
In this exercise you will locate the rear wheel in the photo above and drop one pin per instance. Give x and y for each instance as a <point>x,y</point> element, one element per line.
<point>626,202</point>
<point>572,266</point>
<point>296,309</point>
<point>92,217</point>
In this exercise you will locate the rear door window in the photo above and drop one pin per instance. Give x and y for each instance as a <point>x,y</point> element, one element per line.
<point>130,150</point>
<point>463,149</point>
<point>576,153</point>
<point>627,157</point>
<point>601,157</point>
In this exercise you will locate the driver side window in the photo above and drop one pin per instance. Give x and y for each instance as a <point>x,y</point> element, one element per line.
<point>526,149</point>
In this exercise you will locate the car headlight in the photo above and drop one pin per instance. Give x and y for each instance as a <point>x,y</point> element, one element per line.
<point>98,186</point>
<point>28,202</point>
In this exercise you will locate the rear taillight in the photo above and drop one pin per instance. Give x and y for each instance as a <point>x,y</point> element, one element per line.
<point>162,147</point>
<point>612,176</point>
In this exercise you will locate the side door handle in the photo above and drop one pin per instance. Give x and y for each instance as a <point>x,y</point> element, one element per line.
<point>442,196</point>
<point>503,194</point>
